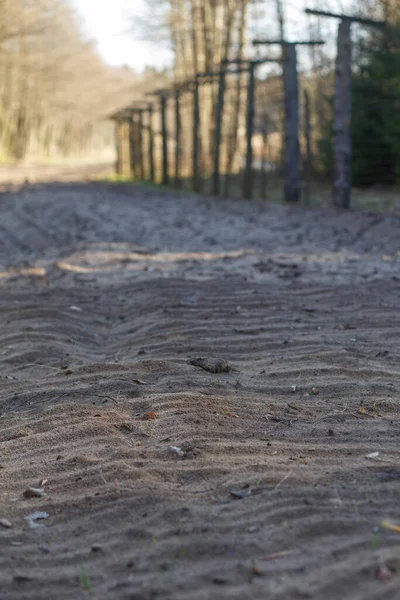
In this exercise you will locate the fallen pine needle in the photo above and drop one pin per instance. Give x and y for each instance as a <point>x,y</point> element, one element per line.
<point>278,485</point>
<point>276,555</point>
<point>386,524</point>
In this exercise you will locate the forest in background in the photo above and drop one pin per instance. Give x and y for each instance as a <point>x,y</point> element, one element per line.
<point>55,90</point>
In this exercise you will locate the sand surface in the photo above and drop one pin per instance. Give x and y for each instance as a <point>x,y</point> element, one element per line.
<point>275,489</point>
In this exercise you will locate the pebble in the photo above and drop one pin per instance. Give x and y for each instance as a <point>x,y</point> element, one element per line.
<point>32,492</point>
<point>5,523</point>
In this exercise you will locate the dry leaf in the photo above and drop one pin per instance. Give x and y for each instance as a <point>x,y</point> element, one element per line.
<point>387,524</point>
<point>362,411</point>
<point>149,416</point>
<point>256,571</point>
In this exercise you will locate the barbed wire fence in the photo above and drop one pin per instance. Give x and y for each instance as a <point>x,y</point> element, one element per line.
<point>251,129</point>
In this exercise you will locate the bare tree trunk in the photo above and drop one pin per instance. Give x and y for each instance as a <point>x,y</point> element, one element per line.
<point>308,168</point>
<point>264,157</point>
<point>239,98</point>
<point>248,174</point>
<point>151,144</point>
<point>195,142</point>
<point>178,128</point>
<point>179,35</point>
<point>164,134</point>
<point>197,62</point>
<point>342,119</point>
<point>292,151</point>
<point>281,18</point>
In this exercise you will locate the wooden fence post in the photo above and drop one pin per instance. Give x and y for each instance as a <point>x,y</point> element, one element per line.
<point>140,143</point>
<point>291,127</point>
<point>196,123</point>
<point>342,119</point>
<point>263,183</point>
<point>119,143</point>
<point>248,174</point>
<point>308,168</point>
<point>342,149</point>
<point>164,133</point>
<point>178,128</point>
<point>151,142</point>
<point>218,131</point>
<point>132,146</point>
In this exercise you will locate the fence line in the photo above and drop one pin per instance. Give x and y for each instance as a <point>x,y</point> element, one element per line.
<point>231,130</point>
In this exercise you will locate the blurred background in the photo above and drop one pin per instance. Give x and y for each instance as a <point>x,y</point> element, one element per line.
<point>67,65</point>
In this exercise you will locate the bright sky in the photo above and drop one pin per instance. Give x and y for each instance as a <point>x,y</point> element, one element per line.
<point>107,21</point>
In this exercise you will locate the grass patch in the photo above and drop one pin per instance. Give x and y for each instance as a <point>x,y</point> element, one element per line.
<point>84,579</point>
<point>375,199</point>
<point>114,178</point>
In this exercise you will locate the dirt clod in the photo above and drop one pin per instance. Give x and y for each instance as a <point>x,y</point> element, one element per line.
<point>150,416</point>
<point>32,492</point>
<point>213,365</point>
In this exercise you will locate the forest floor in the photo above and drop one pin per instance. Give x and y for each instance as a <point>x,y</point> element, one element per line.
<point>287,481</point>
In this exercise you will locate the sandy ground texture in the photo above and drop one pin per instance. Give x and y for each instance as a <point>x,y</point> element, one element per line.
<point>269,469</point>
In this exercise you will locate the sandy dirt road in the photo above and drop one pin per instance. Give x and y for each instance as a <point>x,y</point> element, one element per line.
<point>289,468</point>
